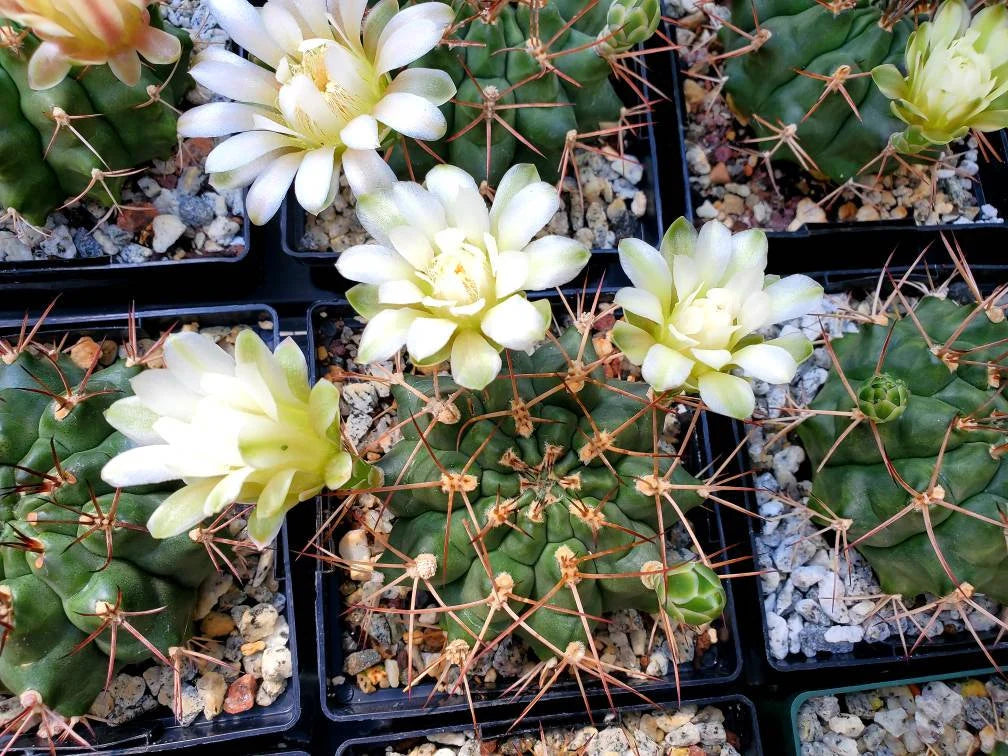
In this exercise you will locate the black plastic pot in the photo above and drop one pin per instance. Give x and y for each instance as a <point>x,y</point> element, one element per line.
<point>346,703</point>
<point>740,718</point>
<point>934,653</point>
<point>852,245</point>
<point>641,144</point>
<point>158,731</point>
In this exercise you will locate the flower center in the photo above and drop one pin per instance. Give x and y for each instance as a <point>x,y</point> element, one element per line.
<point>460,272</point>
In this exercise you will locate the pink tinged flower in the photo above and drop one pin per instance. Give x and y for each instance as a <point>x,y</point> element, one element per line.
<point>324,100</point>
<point>88,33</point>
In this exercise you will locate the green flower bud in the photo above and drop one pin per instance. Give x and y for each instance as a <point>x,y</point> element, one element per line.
<point>882,398</point>
<point>629,23</point>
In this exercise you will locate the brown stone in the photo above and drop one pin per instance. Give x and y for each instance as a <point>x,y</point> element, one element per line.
<point>719,174</point>
<point>136,217</point>
<point>694,93</point>
<point>847,211</point>
<point>733,205</point>
<point>248,649</point>
<point>197,149</point>
<point>240,695</point>
<point>867,213</point>
<point>217,625</point>
<point>84,352</point>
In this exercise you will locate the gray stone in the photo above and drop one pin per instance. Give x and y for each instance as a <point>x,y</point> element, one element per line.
<point>195,211</point>
<point>135,253</point>
<point>361,660</point>
<point>87,245</point>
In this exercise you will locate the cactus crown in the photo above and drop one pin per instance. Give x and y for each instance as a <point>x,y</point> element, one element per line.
<point>84,588</point>
<point>531,78</point>
<point>912,461</point>
<point>538,504</point>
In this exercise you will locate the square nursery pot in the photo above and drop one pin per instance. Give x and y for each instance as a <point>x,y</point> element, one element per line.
<point>795,741</point>
<point>854,245</point>
<point>719,666</point>
<point>158,730</point>
<point>866,657</point>
<point>640,143</point>
<point>739,712</point>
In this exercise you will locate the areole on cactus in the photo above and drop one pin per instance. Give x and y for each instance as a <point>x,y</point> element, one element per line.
<point>319,98</point>
<point>695,307</point>
<point>447,277</point>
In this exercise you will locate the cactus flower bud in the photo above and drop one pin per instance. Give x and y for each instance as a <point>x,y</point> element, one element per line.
<point>882,398</point>
<point>90,33</point>
<point>628,23</point>
<point>957,77</point>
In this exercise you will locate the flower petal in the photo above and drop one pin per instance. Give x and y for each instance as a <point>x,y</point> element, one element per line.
<point>679,239</point>
<point>525,215</point>
<point>268,191</point>
<point>245,148</point>
<point>235,78</point>
<point>890,81</point>
<point>48,67</point>
<point>641,303</point>
<point>428,336</point>
<point>245,26</point>
<point>181,511</point>
<point>796,344</point>
<point>141,466</point>
<point>647,269</point>
<point>410,34</point>
<point>515,323</point>
<point>665,369</point>
<point>434,85</point>
<point>384,335</point>
<point>218,119</point>
<point>793,297</point>
<point>474,363</point>
<point>364,299</point>
<point>766,362</point>
<point>373,264</point>
<point>399,293</point>
<point>158,46</point>
<point>517,178</point>
<point>554,261</point>
<point>511,273</point>
<point>126,67</point>
<point>464,205</point>
<point>361,133</point>
<point>292,361</point>
<point>412,245</point>
<point>314,180</point>
<point>410,115</point>
<point>366,171</point>
<point>714,358</point>
<point>634,342</point>
<point>135,420</point>
<point>727,394</point>
<point>163,393</point>
<point>712,252</point>
<point>324,410</point>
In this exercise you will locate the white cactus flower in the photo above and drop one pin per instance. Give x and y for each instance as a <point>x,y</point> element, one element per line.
<point>693,311</point>
<point>957,77</point>
<point>329,102</point>
<point>447,278</point>
<point>244,428</point>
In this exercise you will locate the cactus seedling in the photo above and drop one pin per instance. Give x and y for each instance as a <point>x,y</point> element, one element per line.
<point>534,507</point>
<point>84,587</point>
<point>78,136</point>
<point>817,79</point>
<point>531,77</point>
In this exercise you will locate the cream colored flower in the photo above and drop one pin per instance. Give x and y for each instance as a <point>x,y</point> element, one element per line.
<point>447,278</point>
<point>692,314</point>
<point>957,77</point>
<point>90,33</point>
<point>244,428</point>
<point>327,100</point>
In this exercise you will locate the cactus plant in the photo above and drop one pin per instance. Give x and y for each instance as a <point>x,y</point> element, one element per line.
<point>85,588</point>
<point>531,76</point>
<point>80,135</point>
<point>536,505</point>
<point>909,434</point>
<point>817,79</point>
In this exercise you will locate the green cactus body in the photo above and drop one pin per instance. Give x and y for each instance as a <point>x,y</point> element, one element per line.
<point>40,171</point>
<point>507,52</point>
<point>539,492</point>
<point>805,36</point>
<point>57,569</point>
<point>934,394</point>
